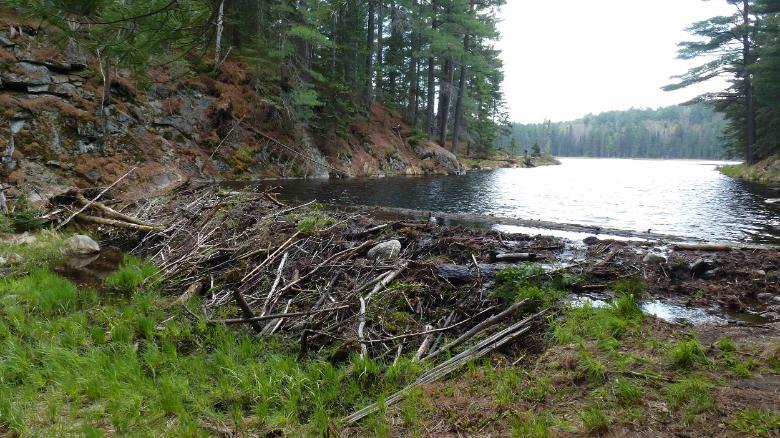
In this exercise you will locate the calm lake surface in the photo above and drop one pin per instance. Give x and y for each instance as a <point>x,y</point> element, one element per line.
<point>676,197</point>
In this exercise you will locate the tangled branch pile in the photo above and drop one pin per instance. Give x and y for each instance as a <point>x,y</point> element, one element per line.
<point>312,275</point>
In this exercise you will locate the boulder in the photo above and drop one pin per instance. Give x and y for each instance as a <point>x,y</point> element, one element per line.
<point>590,240</point>
<point>701,266</point>
<point>386,250</point>
<point>653,259</point>
<point>442,157</point>
<point>765,296</point>
<point>81,245</point>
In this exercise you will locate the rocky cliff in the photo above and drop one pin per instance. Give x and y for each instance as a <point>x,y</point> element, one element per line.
<point>60,127</point>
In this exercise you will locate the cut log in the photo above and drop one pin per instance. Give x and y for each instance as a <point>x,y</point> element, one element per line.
<point>116,223</point>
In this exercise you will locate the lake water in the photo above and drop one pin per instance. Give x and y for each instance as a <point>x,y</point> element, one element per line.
<point>684,198</point>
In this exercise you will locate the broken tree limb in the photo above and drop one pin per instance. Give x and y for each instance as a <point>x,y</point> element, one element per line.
<point>111,212</point>
<point>386,281</point>
<point>480,327</point>
<point>116,223</point>
<point>233,321</point>
<point>481,349</point>
<point>426,344</point>
<point>99,195</point>
<point>247,311</point>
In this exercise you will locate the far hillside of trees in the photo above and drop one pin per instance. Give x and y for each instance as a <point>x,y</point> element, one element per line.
<point>693,131</point>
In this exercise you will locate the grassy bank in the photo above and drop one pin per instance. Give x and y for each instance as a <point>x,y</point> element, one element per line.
<point>766,171</point>
<point>125,359</point>
<point>613,371</point>
<point>502,159</point>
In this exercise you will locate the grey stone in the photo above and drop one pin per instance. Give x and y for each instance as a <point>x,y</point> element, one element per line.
<point>444,158</point>
<point>28,74</point>
<point>765,296</point>
<point>702,265</point>
<point>43,88</point>
<point>5,42</point>
<point>80,244</point>
<point>386,250</point>
<point>652,258</point>
<point>776,300</point>
<point>64,89</point>
<point>3,261</point>
<point>590,240</point>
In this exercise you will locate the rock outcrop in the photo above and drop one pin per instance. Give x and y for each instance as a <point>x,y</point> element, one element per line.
<point>58,130</point>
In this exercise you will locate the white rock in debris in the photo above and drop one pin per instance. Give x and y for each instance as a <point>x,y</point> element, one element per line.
<point>652,258</point>
<point>385,250</point>
<point>80,244</point>
<point>3,261</point>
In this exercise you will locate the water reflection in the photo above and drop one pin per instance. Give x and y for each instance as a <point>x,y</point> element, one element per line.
<point>676,197</point>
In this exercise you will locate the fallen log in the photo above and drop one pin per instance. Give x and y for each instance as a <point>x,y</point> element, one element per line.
<point>110,211</point>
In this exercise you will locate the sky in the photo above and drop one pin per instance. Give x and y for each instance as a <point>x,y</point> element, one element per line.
<point>564,59</point>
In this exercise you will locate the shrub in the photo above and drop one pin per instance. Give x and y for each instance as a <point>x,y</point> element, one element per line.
<point>25,217</point>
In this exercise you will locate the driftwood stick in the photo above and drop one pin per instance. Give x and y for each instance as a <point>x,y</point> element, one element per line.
<point>479,327</point>
<point>99,195</point>
<point>271,257</point>
<point>116,223</point>
<point>269,297</point>
<point>361,327</point>
<point>491,344</point>
<point>111,212</point>
<point>386,281</point>
<point>426,344</point>
<point>248,314</point>
<point>337,256</point>
<point>275,316</point>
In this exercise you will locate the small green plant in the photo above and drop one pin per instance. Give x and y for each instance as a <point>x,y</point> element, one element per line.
<point>313,222</point>
<point>626,392</point>
<point>727,345</point>
<point>691,396</point>
<point>594,370</point>
<point>133,275</point>
<point>6,224</point>
<point>526,281</point>
<point>531,425</point>
<point>744,369</point>
<point>26,217</point>
<point>757,422</point>
<point>595,420</point>
<point>630,286</point>
<point>687,354</point>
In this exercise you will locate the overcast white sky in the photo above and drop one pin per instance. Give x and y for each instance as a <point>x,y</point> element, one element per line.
<point>564,59</point>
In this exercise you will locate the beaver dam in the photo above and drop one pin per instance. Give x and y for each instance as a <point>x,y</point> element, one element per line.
<point>263,317</point>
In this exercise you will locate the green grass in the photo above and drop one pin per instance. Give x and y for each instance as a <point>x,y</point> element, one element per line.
<point>727,345</point>
<point>44,253</point>
<point>626,392</point>
<point>687,354</point>
<point>132,274</point>
<point>757,422</point>
<point>691,396</point>
<point>604,325</point>
<point>312,221</point>
<point>75,362</point>
<point>528,281</point>
<point>594,420</point>
<point>532,425</point>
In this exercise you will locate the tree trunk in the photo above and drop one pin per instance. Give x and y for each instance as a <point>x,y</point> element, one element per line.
<point>750,111</point>
<point>220,28</point>
<point>461,88</point>
<point>431,95</point>
<point>379,51</point>
<point>411,102</point>
<point>445,97</point>
<point>370,57</point>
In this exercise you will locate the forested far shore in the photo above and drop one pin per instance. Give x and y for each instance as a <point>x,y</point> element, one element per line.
<point>693,131</point>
